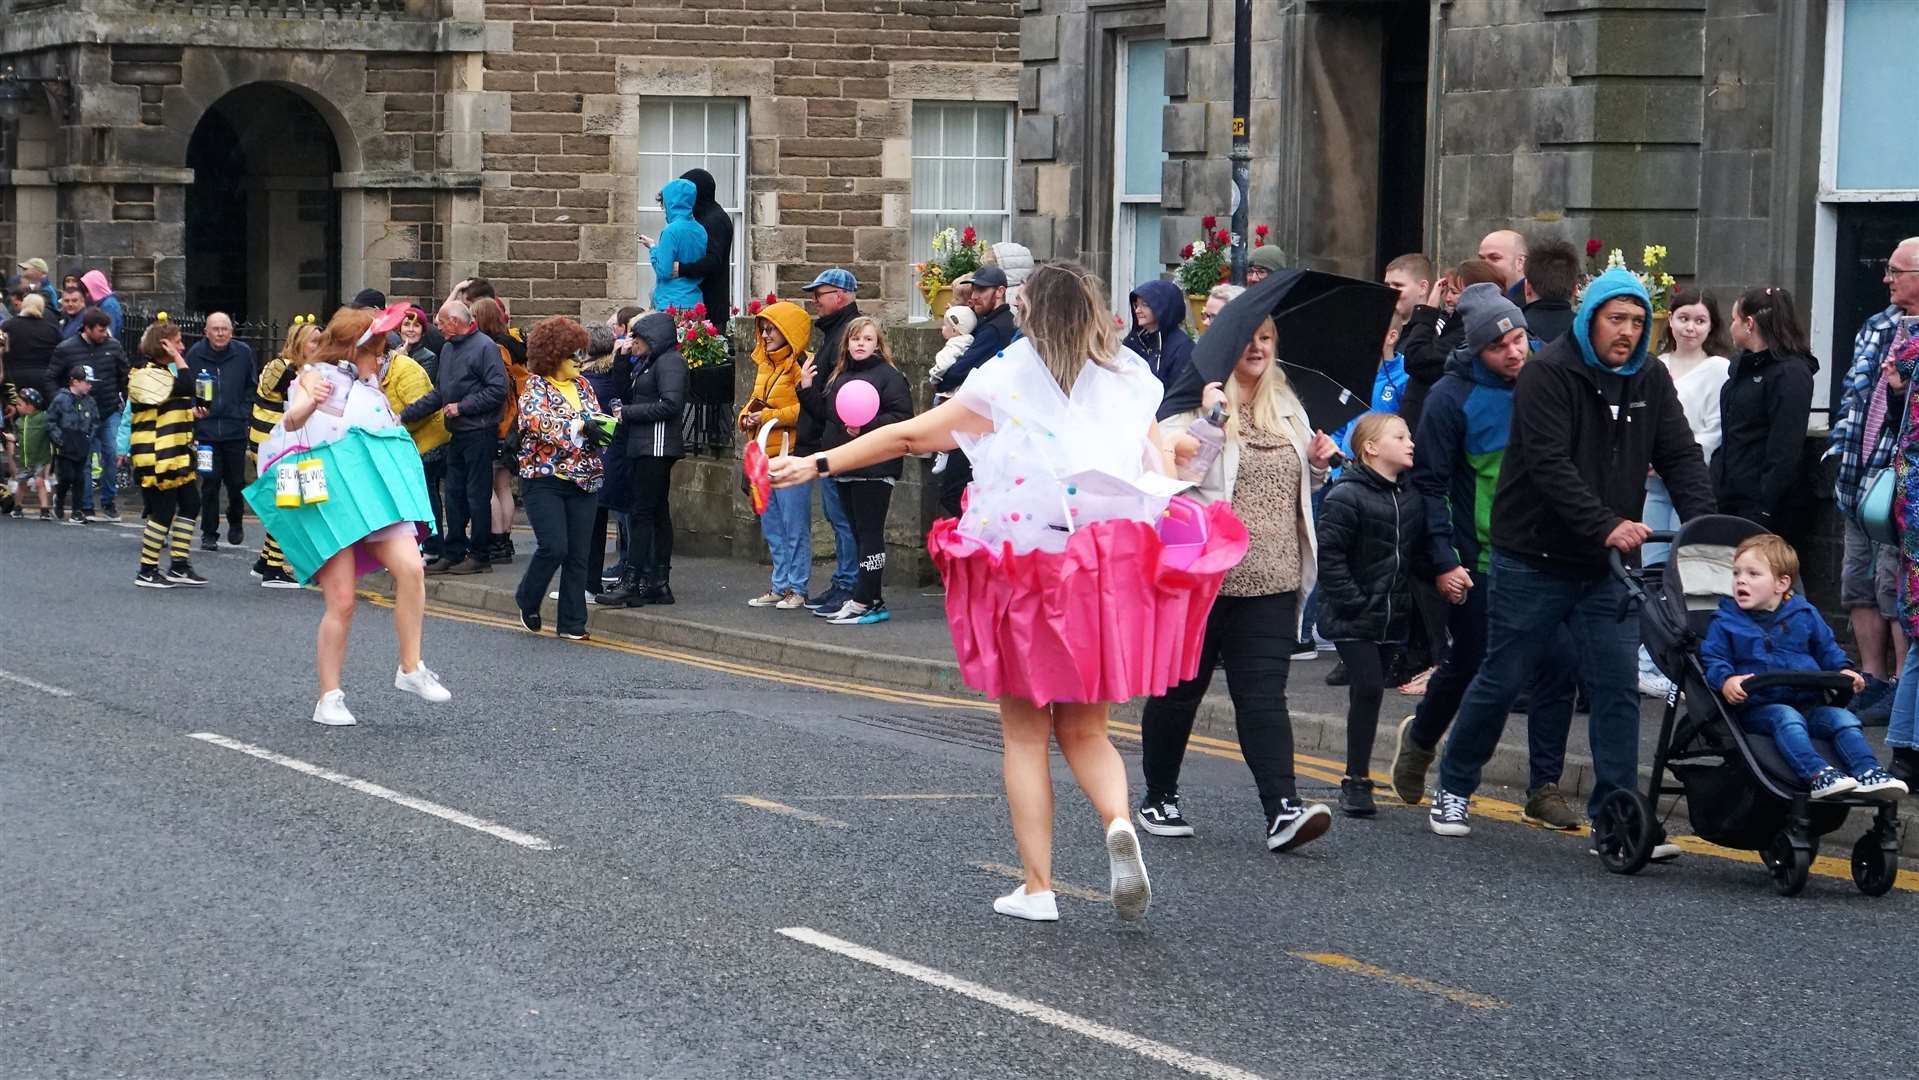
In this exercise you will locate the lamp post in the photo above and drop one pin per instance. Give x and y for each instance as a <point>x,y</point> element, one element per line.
<point>1242,155</point>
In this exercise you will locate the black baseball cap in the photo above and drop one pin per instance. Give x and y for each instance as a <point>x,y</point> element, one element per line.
<point>990,277</point>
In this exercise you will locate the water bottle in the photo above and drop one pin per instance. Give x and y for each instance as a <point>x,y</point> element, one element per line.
<point>203,387</point>
<point>204,459</point>
<point>1210,430</point>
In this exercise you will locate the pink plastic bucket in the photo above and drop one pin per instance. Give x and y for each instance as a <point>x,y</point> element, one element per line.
<point>1183,530</point>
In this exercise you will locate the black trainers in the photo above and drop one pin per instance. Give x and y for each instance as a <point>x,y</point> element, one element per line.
<point>181,573</point>
<point>530,620</point>
<point>1451,814</point>
<point>1161,817</point>
<point>1296,824</point>
<point>210,543</point>
<point>259,568</point>
<point>1338,676</point>
<point>1356,797</point>
<point>236,535</point>
<point>150,577</point>
<point>275,578</point>
<point>76,518</point>
<point>46,515</point>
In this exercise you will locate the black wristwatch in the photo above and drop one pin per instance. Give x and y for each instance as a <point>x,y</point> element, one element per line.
<point>819,462</point>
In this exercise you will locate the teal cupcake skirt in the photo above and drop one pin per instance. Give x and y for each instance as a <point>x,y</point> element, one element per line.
<point>374,480</point>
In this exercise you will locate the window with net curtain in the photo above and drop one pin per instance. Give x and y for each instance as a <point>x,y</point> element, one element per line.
<point>677,134</point>
<point>961,175</point>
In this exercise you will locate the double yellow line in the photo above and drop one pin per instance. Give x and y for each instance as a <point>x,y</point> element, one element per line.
<point>1318,768</point>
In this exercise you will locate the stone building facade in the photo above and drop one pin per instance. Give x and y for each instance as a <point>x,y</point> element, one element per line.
<point>273,156</point>
<point>1756,139</point>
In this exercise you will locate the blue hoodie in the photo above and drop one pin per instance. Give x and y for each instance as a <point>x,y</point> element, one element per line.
<point>1611,285</point>
<point>1167,350</point>
<point>1794,638</point>
<point>683,241</point>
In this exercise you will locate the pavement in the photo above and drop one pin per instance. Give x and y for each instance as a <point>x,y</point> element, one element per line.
<point>618,859</point>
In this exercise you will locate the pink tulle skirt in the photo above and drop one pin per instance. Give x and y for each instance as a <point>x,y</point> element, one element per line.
<point>1106,620</point>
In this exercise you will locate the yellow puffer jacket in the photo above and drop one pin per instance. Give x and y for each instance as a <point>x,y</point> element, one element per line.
<point>404,382</point>
<point>777,379</point>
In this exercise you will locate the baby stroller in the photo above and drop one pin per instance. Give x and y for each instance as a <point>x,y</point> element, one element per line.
<point>1739,790</point>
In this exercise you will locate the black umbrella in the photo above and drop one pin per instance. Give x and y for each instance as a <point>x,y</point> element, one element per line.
<point>1330,332</point>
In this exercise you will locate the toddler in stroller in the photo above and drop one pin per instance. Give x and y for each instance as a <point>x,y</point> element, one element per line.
<point>1764,627</point>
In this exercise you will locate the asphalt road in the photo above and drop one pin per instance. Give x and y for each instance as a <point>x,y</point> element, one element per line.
<point>176,907</point>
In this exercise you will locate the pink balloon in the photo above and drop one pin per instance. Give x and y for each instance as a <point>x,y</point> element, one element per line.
<point>857,403</point>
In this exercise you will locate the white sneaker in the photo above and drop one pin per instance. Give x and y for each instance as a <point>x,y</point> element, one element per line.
<point>1131,890</point>
<point>1033,907</point>
<point>422,683</point>
<point>791,600</point>
<point>1654,686</point>
<point>331,710</point>
<point>766,599</point>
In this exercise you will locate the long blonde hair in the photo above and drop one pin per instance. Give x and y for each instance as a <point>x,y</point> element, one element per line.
<point>1272,396</point>
<point>294,352</point>
<point>1065,316</point>
<point>884,352</point>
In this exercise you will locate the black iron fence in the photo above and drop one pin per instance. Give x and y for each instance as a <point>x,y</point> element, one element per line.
<point>264,338</point>
<point>708,425</point>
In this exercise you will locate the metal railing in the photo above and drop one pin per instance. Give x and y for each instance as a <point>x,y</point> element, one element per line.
<point>263,337</point>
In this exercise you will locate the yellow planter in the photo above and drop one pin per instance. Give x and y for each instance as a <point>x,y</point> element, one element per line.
<point>1659,319</point>
<point>938,300</point>
<point>1195,307</point>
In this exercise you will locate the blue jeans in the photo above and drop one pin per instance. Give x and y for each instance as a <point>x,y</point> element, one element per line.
<point>1525,607</point>
<point>1660,516</point>
<point>1902,733</point>
<point>846,548</point>
<point>469,495</point>
<point>1793,732</point>
<point>788,528</point>
<point>105,437</point>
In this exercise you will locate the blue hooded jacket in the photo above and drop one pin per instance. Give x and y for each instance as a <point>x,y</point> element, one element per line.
<point>683,241</point>
<point>1793,638</point>
<point>1611,285</point>
<point>1167,350</point>
<point>1460,446</point>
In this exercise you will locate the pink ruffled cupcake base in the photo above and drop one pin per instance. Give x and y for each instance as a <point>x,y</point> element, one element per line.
<point>1106,620</point>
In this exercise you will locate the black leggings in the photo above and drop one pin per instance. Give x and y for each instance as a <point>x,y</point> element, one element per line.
<point>171,515</point>
<point>70,480</point>
<point>649,553</point>
<point>866,503</point>
<point>1255,635</point>
<point>1366,668</point>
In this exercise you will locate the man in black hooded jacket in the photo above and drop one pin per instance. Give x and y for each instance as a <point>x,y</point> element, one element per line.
<point>714,271</point>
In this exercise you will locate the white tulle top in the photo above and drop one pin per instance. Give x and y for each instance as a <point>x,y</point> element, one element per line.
<point>353,404</point>
<point>1056,463</point>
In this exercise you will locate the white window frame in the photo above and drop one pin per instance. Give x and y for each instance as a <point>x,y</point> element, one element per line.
<point>1825,242</point>
<point>739,215</point>
<point>917,311</point>
<point>1125,206</point>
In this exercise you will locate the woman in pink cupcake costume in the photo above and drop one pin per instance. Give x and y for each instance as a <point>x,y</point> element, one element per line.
<point>1061,596</point>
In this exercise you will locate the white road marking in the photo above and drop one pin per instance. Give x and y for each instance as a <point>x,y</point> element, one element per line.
<point>1032,1010</point>
<point>364,787</point>
<point>35,684</point>
<point>772,807</point>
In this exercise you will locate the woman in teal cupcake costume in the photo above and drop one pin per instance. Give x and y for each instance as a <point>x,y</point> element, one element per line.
<point>342,489</point>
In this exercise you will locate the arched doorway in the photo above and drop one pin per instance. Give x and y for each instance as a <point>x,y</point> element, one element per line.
<point>262,217</point>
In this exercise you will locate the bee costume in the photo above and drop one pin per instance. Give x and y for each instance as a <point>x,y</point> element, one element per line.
<point>162,449</point>
<point>269,405</point>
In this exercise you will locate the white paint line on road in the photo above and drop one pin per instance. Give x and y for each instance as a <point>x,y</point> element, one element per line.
<point>34,684</point>
<point>772,807</point>
<point>1014,872</point>
<point>1032,1010</point>
<point>365,787</point>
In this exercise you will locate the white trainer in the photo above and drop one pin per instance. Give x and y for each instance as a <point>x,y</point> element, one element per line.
<point>1033,907</point>
<point>331,710</point>
<point>422,683</point>
<point>1131,890</point>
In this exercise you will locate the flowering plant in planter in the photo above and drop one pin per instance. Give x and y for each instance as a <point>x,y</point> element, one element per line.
<point>701,343</point>
<point>1207,261</point>
<point>1651,274</point>
<point>956,253</point>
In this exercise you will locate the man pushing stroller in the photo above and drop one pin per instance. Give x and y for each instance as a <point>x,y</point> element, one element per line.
<point>1766,627</point>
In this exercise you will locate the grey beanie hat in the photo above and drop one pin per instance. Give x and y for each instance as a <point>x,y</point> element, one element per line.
<point>1488,315</point>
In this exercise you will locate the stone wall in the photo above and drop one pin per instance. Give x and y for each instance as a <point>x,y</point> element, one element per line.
<point>1656,122</point>
<point>712,516</point>
<point>830,86</point>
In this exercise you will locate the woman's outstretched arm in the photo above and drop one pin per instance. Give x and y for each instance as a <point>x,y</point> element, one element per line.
<point>930,431</point>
